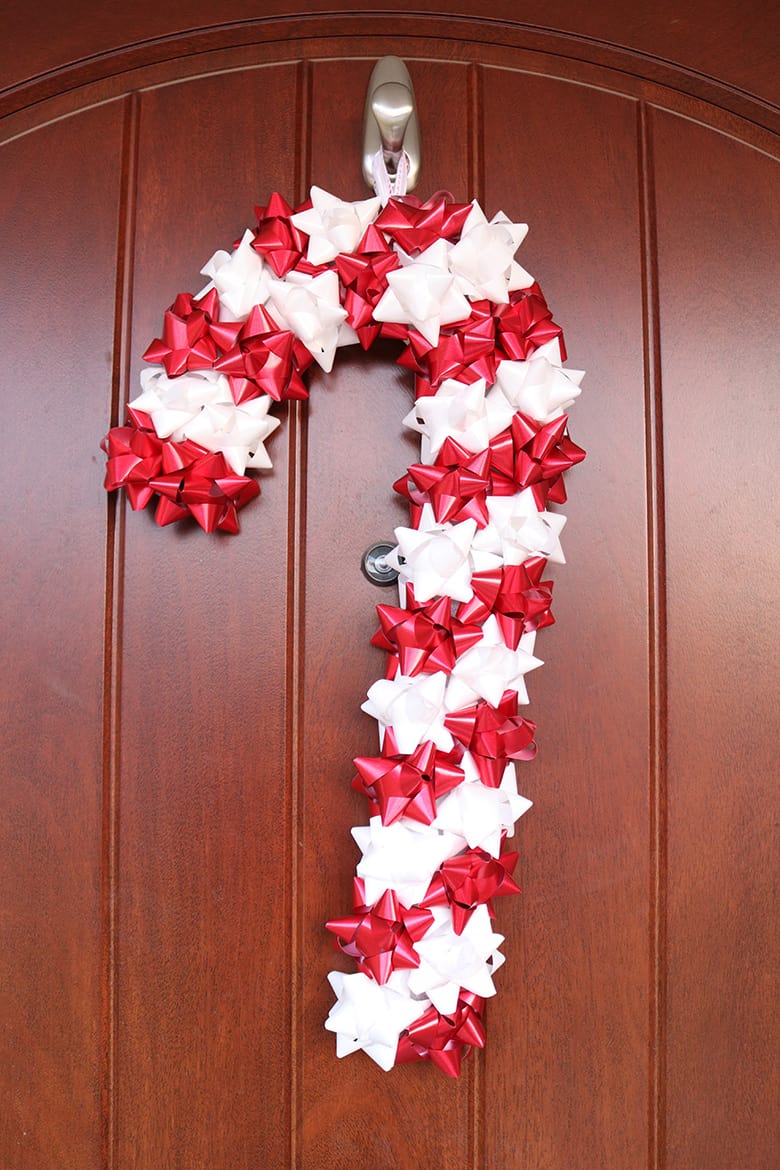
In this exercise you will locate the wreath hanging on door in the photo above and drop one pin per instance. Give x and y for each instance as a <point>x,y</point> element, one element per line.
<point>491,396</point>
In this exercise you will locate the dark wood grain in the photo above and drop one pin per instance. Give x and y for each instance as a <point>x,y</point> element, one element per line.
<point>58,225</point>
<point>203,1056</point>
<point>571,1015</point>
<point>719,405</point>
<point>710,39</point>
<point>240,663</point>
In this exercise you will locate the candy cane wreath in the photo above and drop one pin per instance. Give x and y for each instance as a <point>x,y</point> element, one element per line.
<point>491,396</point>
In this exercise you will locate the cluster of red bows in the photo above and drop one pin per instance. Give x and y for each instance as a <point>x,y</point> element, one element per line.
<point>528,454</point>
<point>189,480</point>
<point>472,348</point>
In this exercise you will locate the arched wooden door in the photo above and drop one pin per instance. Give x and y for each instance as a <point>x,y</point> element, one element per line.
<point>180,711</point>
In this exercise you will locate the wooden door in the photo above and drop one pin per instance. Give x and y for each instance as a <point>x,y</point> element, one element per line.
<point>180,712</point>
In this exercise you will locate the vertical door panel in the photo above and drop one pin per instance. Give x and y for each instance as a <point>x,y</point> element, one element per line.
<point>718,230</point>
<point>203,940</point>
<point>58,222</point>
<point>567,1055</point>
<point>352,1112</point>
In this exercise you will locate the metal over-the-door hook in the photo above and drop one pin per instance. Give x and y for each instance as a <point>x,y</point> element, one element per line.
<point>391,135</point>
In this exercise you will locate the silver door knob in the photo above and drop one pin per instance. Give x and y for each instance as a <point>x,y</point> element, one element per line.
<point>375,565</point>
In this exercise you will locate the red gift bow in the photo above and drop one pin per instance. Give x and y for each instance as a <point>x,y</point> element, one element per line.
<point>444,1039</point>
<point>415,226</point>
<point>134,459</point>
<point>543,452</point>
<point>424,637</point>
<point>192,337</point>
<point>454,492</point>
<point>189,479</point>
<point>380,938</point>
<point>469,880</point>
<point>527,454</point>
<point>279,241</point>
<point>523,325</point>
<point>465,351</point>
<point>517,596</point>
<point>493,735</point>
<point>406,786</point>
<point>364,277</point>
<point>265,359</point>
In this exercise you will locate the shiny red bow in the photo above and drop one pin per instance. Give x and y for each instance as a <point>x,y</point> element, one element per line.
<point>523,325</point>
<point>465,351</point>
<point>493,736</point>
<point>415,226</point>
<point>445,1040</point>
<point>516,594</point>
<point>364,277</point>
<point>454,492</point>
<point>543,452</point>
<point>265,359</point>
<point>469,880</point>
<point>191,338</point>
<point>278,240</point>
<point>424,637</point>
<point>380,938</point>
<point>408,786</point>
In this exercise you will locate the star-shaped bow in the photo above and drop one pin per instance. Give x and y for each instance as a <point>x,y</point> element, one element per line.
<point>539,386</point>
<point>435,557</point>
<point>482,261</point>
<point>464,351</point>
<point>457,410</point>
<point>543,452</point>
<point>517,595</point>
<point>523,325</point>
<point>310,307</point>
<point>413,707</point>
<point>370,1015</point>
<point>239,278</point>
<point>469,880</point>
<point>493,735</point>
<point>518,530</point>
<point>416,226</point>
<point>265,359</point>
<point>187,342</point>
<point>364,276</point>
<point>333,225</point>
<point>403,857</point>
<point>381,937</point>
<point>482,815</point>
<point>489,668</point>
<point>277,239</point>
<point>454,493</point>
<point>450,961</point>
<point>398,785</point>
<point>422,293</point>
<point>424,637</point>
<point>444,1039</point>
